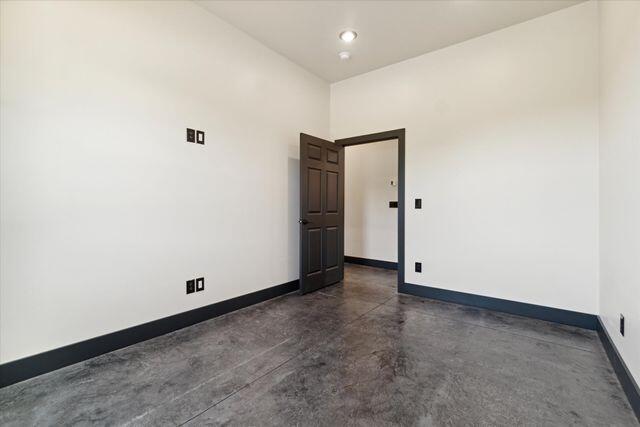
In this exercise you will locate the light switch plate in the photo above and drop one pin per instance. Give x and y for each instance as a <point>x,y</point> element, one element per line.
<point>191,286</point>
<point>191,135</point>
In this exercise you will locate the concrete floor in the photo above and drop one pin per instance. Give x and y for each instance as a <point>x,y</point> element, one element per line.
<point>355,353</point>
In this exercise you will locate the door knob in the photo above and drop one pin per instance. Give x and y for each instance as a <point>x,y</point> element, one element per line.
<point>303,221</point>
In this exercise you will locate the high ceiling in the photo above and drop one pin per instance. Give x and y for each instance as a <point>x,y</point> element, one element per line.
<point>306,32</point>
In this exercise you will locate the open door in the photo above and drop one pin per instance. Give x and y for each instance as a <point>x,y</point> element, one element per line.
<point>321,213</point>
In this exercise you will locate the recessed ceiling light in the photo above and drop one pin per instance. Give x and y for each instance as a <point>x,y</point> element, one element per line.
<point>344,55</point>
<point>348,36</point>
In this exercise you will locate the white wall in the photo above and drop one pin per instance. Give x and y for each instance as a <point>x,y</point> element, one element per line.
<point>620,175</point>
<point>501,145</point>
<point>106,211</point>
<point>370,226</point>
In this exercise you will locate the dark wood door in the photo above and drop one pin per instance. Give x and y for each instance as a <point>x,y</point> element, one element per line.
<point>321,213</point>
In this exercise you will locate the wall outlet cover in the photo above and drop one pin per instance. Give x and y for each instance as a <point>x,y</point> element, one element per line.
<point>621,325</point>
<point>200,284</point>
<point>191,286</point>
<point>418,267</point>
<point>191,135</point>
<point>200,137</point>
<point>418,204</point>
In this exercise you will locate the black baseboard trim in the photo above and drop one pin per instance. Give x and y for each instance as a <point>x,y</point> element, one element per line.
<point>371,262</point>
<point>32,366</point>
<point>627,382</point>
<point>566,317</point>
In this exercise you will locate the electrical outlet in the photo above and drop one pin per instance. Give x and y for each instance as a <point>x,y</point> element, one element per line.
<point>191,135</point>
<point>621,325</point>
<point>418,204</point>
<point>418,267</point>
<point>200,284</point>
<point>200,137</point>
<point>393,204</point>
<point>191,286</point>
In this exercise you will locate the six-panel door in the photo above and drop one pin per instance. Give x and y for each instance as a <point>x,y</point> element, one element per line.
<point>321,213</point>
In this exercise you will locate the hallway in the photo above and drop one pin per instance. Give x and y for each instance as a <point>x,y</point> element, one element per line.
<point>353,353</point>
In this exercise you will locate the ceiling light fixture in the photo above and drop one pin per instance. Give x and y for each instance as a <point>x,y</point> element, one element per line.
<point>344,55</point>
<point>348,36</point>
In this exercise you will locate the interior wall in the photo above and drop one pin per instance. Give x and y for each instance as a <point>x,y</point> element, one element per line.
<point>106,210</point>
<point>502,147</point>
<point>371,227</point>
<point>620,176</point>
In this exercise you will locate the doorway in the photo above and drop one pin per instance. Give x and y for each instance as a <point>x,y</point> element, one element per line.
<point>322,207</point>
<point>399,136</point>
<point>371,205</point>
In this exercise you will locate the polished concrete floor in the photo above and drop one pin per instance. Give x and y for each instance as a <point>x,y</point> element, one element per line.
<point>352,354</point>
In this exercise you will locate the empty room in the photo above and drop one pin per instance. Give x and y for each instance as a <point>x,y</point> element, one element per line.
<point>301,212</point>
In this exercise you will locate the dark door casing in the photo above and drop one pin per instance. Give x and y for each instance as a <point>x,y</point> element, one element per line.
<point>321,213</point>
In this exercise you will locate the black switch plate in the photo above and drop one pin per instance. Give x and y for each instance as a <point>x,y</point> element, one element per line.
<point>200,137</point>
<point>200,284</point>
<point>191,286</point>
<point>418,203</point>
<point>621,325</point>
<point>191,135</point>
<point>418,267</point>
<point>393,204</point>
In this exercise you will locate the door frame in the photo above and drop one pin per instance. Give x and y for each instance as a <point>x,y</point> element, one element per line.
<point>398,134</point>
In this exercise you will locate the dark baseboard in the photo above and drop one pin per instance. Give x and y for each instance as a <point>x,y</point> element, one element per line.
<point>22,369</point>
<point>629,385</point>
<point>371,262</point>
<point>567,317</point>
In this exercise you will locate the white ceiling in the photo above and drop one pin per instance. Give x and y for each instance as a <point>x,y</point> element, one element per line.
<point>306,32</point>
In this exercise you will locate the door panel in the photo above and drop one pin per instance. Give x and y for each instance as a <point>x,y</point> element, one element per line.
<point>321,213</point>
<point>332,247</point>
<point>332,156</point>
<point>314,190</point>
<point>332,192</point>
<point>315,250</point>
<point>314,152</point>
